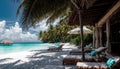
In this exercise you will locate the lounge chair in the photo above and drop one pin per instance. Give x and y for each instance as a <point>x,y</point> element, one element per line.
<point>53,48</point>
<point>73,59</point>
<point>87,49</point>
<point>79,51</point>
<point>98,65</point>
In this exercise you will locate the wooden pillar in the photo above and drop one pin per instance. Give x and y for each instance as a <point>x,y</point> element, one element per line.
<point>100,36</point>
<point>81,35</point>
<point>97,37</point>
<point>81,27</point>
<point>93,36</point>
<point>108,35</point>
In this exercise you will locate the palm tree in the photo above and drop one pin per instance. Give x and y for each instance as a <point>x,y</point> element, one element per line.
<point>37,10</point>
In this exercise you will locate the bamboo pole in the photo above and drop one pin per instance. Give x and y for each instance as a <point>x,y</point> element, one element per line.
<point>108,35</point>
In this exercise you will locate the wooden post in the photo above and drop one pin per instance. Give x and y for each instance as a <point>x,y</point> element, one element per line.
<point>81,31</point>
<point>81,35</point>
<point>108,35</point>
<point>93,36</point>
<point>100,36</point>
<point>97,37</point>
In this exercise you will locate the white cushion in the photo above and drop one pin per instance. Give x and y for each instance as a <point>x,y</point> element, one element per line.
<point>91,64</point>
<point>75,56</point>
<point>100,48</point>
<point>116,59</point>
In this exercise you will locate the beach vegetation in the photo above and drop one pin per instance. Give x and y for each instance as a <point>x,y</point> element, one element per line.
<point>34,11</point>
<point>59,33</point>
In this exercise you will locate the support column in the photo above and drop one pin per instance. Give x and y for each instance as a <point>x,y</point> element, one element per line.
<point>97,37</point>
<point>100,36</point>
<point>108,35</point>
<point>93,37</point>
<point>81,35</point>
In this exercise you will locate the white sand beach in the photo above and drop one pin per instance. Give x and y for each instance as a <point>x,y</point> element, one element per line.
<point>35,59</point>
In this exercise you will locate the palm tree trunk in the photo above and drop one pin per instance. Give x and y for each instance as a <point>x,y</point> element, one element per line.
<point>81,35</point>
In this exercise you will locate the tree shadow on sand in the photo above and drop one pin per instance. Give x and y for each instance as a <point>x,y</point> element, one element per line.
<point>38,60</point>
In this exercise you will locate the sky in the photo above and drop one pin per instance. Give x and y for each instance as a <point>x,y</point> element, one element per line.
<point>9,26</point>
<point>8,10</point>
<point>9,23</point>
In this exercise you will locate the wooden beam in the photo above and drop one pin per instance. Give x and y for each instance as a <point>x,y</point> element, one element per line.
<point>109,14</point>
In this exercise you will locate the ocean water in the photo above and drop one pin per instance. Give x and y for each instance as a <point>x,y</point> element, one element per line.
<point>27,46</point>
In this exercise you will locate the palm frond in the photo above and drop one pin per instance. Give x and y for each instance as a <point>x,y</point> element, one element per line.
<point>37,10</point>
<point>62,11</point>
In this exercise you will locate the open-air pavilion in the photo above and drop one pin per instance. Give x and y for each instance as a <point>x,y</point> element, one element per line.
<point>104,16</point>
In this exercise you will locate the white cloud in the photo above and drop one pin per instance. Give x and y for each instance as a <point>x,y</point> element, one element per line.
<point>39,27</point>
<point>15,33</point>
<point>42,26</point>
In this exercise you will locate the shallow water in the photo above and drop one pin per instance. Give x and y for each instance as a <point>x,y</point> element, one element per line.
<point>18,47</point>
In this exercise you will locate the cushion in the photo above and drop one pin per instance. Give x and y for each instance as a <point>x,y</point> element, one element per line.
<point>100,49</point>
<point>75,56</point>
<point>93,53</point>
<point>88,46</point>
<point>110,62</point>
<point>91,64</point>
<point>117,59</point>
<point>57,44</point>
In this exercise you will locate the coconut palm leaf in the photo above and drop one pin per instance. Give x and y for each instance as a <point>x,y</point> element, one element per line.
<point>37,10</point>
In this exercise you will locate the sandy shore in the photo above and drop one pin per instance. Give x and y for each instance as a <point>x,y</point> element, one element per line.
<point>36,59</point>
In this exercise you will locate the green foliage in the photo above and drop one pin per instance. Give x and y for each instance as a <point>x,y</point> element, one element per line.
<point>75,40</point>
<point>88,38</point>
<point>59,33</point>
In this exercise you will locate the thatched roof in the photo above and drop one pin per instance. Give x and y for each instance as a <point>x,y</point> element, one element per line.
<point>6,42</point>
<point>93,14</point>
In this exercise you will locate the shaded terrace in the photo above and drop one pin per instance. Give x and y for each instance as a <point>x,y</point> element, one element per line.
<point>103,15</point>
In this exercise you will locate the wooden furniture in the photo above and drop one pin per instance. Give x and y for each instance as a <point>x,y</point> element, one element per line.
<point>97,65</point>
<point>55,48</point>
<point>73,59</point>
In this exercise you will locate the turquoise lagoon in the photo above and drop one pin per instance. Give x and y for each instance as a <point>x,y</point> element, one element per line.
<point>24,46</point>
